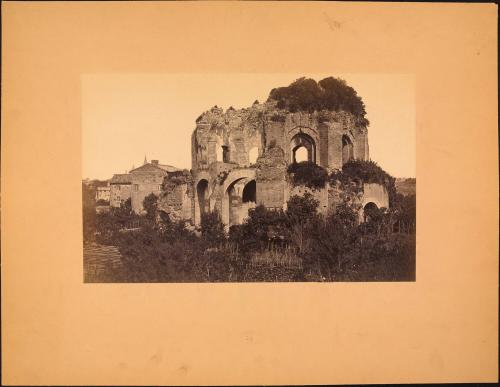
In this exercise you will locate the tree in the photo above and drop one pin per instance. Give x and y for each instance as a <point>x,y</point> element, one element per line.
<point>212,228</point>
<point>150,204</point>
<point>331,93</point>
<point>301,208</point>
<point>261,228</point>
<point>332,239</point>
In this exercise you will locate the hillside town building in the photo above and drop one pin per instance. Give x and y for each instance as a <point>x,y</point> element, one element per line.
<point>137,184</point>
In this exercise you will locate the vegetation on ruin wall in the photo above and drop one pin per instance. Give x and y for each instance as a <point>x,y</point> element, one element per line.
<point>331,93</point>
<point>359,171</point>
<point>293,245</point>
<point>307,174</point>
<point>314,176</point>
<point>176,178</point>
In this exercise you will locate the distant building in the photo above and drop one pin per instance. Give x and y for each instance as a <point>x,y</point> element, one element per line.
<point>102,193</point>
<point>145,180</point>
<point>137,184</point>
<point>119,189</point>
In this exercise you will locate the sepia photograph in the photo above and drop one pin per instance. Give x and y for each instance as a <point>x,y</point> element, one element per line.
<point>226,193</point>
<point>281,178</point>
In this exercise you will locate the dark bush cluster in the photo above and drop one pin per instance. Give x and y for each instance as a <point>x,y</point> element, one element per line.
<point>331,93</point>
<point>308,174</point>
<point>296,244</point>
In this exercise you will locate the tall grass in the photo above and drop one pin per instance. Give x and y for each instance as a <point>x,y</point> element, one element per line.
<point>276,257</point>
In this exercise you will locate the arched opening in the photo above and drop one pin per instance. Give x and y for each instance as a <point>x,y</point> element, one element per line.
<point>252,155</point>
<point>370,211</point>
<point>240,197</point>
<point>249,199</point>
<point>249,192</point>
<point>202,193</point>
<point>302,148</point>
<point>347,149</point>
<point>301,154</point>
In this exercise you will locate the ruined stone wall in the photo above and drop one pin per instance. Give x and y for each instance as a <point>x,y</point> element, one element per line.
<point>357,195</point>
<point>236,131</point>
<point>229,136</point>
<point>350,194</point>
<point>271,178</point>
<point>376,193</point>
<point>176,197</point>
<point>321,195</point>
<point>230,148</point>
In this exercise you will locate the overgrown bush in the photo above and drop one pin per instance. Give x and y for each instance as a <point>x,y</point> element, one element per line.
<point>361,171</point>
<point>150,204</point>
<point>298,244</point>
<point>301,209</point>
<point>212,228</point>
<point>308,174</point>
<point>331,93</point>
<point>261,228</point>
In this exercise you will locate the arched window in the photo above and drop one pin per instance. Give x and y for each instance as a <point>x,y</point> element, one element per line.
<point>347,149</point>
<point>301,154</point>
<point>300,146</point>
<point>249,192</point>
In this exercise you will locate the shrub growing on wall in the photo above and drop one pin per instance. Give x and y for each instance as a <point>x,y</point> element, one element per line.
<point>331,93</point>
<point>307,174</point>
<point>361,171</point>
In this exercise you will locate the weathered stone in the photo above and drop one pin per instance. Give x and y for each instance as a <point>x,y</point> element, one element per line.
<point>240,159</point>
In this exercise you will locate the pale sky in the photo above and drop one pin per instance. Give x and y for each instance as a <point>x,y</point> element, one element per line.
<point>127,116</point>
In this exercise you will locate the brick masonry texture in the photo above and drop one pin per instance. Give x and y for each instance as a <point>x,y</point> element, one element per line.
<point>240,159</point>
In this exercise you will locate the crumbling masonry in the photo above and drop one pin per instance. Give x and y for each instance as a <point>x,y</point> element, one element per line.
<point>240,160</point>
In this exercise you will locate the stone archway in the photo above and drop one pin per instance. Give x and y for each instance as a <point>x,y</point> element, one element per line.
<point>237,197</point>
<point>302,141</point>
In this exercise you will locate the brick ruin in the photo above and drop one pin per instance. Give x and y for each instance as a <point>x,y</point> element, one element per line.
<point>240,160</point>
